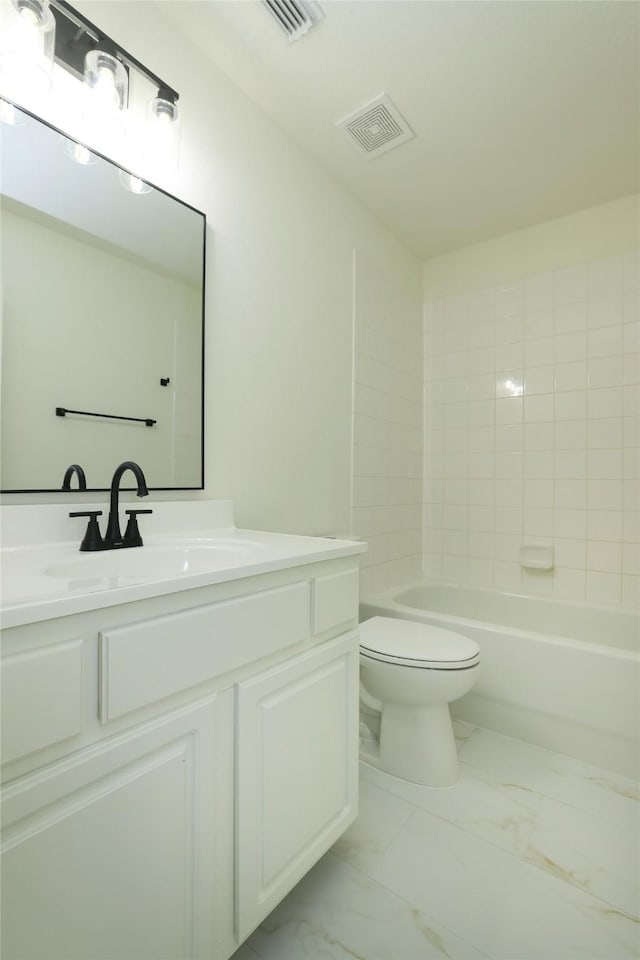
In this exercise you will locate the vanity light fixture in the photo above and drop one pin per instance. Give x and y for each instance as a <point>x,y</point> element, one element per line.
<point>27,43</point>
<point>34,33</point>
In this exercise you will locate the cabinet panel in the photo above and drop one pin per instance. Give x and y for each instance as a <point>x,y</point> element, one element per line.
<point>335,600</point>
<point>113,849</point>
<point>41,698</point>
<point>145,662</point>
<point>296,772</point>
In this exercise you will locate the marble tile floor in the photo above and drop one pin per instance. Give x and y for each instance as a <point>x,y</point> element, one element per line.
<point>530,856</point>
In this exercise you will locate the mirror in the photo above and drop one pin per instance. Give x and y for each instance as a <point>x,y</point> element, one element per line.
<point>103,310</point>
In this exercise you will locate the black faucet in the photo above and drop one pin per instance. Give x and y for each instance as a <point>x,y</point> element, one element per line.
<point>79,472</point>
<point>113,539</point>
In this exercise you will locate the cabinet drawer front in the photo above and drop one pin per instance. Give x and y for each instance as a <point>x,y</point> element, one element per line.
<point>148,661</point>
<point>41,698</point>
<point>335,600</point>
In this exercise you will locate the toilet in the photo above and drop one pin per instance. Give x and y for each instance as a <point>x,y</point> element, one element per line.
<point>410,672</point>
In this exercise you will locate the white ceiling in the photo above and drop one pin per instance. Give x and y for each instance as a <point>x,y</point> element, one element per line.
<point>524,110</point>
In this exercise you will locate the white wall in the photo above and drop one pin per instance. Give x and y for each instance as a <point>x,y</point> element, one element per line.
<point>531,414</point>
<point>279,290</point>
<point>387,484</point>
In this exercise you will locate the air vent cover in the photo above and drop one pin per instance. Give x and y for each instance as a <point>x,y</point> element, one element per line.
<point>377,126</point>
<point>295,17</point>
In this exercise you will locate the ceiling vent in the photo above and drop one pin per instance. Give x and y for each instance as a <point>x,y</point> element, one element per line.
<point>376,127</point>
<point>295,17</point>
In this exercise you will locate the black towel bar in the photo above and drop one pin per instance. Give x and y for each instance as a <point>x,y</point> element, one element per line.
<point>63,411</point>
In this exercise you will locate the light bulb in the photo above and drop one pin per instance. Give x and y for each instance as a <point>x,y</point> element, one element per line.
<point>107,83</point>
<point>27,43</point>
<point>163,133</point>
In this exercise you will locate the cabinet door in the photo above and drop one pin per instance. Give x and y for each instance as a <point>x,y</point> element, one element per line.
<point>297,772</point>
<point>110,853</point>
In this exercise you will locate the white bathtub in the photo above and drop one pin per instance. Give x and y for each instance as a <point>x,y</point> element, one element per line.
<point>562,675</point>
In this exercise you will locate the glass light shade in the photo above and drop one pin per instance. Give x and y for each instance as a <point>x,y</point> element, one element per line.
<point>27,44</point>
<point>163,133</point>
<point>134,184</point>
<point>107,83</point>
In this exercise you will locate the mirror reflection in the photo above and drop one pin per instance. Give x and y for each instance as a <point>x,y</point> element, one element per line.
<point>102,304</point>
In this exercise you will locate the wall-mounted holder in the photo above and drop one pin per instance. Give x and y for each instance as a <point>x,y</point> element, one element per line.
<point>535,557</point>
<point>63,411</point>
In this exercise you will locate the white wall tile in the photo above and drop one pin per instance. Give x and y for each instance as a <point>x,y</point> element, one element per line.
<point>605,402</point>
<point>569,584</point>
<point>604,372</point>
<point>539,409</point>
<point>570,317</point>
<point>604,277</point>
<point>604,588</point>
<point>539,323</point>
<point>605,433</point>
<point>538,291</point>
<point>509,299</point>
<point>570,524</point>
<point>538,493</point>
<point>570,284</point>
<point>605,311</point>
<point>540,405</point>
<point>571,405</point>
<point>570,434</point>
<point>604,464</point>
<point>569,347</point>
<point>605,495</point>
<point>631,591</point>
<point>606,341</point>
<point>539,352</point>
<point>540,380</point>
<point>571,553</point>
<point>631,558</point>
<point>570,494</point>
<point>604,556</point>
<point>539,436</point>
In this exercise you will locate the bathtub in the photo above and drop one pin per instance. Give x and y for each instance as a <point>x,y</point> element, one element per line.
<point>562,675</point>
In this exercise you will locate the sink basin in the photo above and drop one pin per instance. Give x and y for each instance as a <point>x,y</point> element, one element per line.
<point>149,562</point>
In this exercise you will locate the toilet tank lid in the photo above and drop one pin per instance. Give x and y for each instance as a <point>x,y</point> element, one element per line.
<point>409,640</point>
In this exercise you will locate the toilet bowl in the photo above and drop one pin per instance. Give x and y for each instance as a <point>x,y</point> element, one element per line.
<point>411,672</point>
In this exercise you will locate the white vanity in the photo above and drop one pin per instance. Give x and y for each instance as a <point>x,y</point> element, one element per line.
<point>179,741</point>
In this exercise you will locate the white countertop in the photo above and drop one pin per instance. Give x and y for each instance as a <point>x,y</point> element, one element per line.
<point>30,593</point>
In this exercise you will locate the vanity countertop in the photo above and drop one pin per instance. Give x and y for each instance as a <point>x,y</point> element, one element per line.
<point>53,579</point>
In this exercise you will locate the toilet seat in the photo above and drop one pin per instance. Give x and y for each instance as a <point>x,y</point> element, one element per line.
<point>418,645</point>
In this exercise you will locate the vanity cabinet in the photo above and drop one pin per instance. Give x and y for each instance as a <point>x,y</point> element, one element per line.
<point>103,850</point>
<point>297,773</point>
<point>203,759</point>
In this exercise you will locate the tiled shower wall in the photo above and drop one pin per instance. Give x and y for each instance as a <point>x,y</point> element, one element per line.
<point>387,428</point>
<point>531,432</point>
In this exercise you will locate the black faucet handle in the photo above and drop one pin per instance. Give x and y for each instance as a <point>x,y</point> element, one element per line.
<point>132,536</point>
<point>92,538</point>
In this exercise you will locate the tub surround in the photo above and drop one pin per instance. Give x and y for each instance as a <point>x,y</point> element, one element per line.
<point>183,747</point>
<point>567,678</point>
